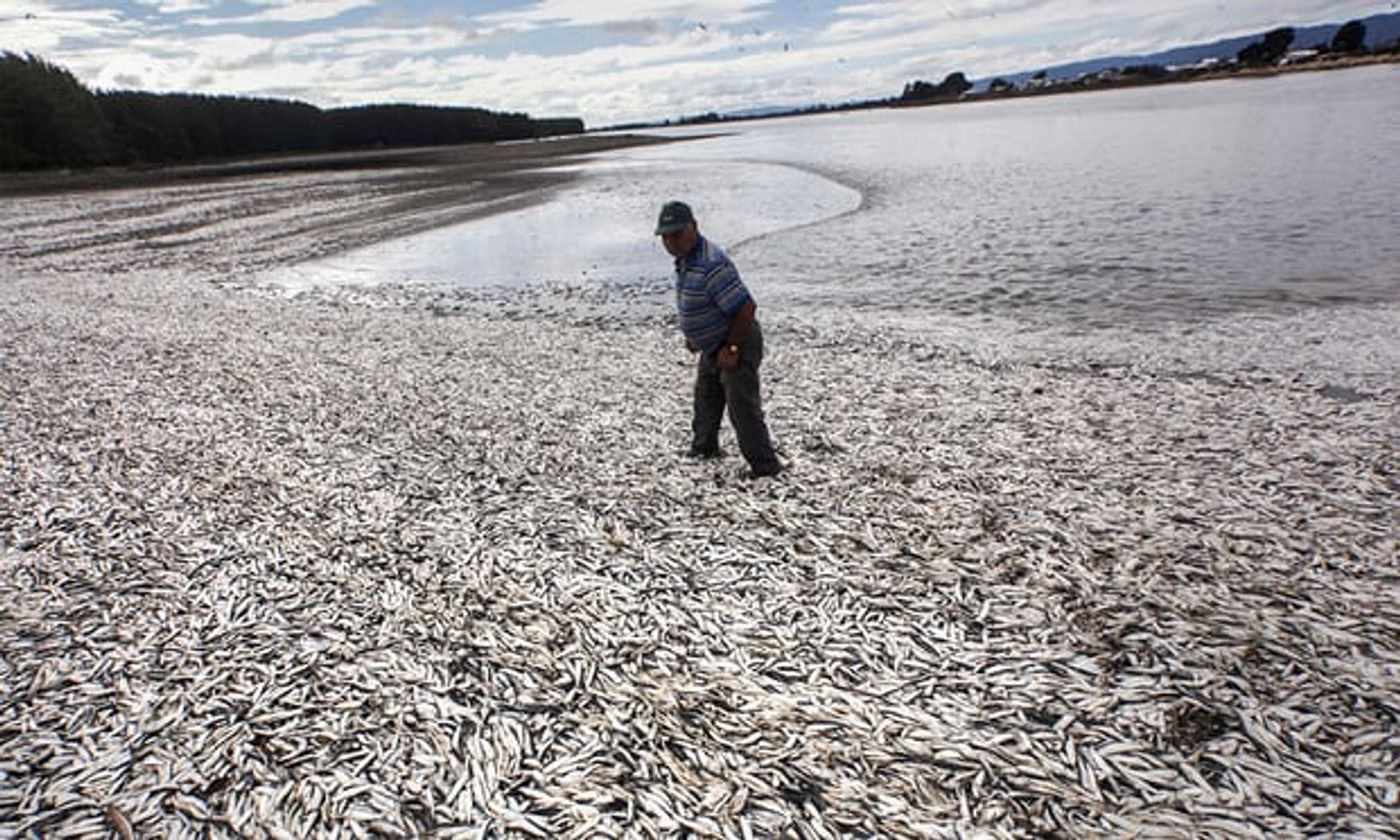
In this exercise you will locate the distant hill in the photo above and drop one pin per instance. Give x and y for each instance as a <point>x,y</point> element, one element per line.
<point>1381,30</point>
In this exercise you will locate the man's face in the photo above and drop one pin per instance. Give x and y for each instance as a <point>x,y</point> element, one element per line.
<point>678,244</point>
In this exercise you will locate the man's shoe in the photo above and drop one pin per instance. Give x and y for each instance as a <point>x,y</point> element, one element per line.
<point>704,454</point>
<point>767,471</point>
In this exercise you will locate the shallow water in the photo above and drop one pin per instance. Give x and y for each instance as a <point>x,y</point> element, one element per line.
<point>596,229</point>
<point>1127,207</point>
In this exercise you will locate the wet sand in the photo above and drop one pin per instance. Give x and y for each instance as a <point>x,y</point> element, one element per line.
<point>245,216</point>
<point>313,564</point>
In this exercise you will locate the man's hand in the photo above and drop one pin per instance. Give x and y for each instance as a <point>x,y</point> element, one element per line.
<point>728,357</point>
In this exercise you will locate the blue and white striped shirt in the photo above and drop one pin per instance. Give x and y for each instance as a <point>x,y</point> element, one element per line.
<point>709,293</point>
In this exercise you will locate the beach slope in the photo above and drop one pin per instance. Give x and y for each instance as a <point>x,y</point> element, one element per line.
<point>298,566</point>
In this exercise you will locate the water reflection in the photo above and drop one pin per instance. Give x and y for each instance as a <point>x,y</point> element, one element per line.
<point>597,229</point>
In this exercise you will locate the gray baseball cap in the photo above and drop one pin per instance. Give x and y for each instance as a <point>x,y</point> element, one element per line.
<point>675,215</point>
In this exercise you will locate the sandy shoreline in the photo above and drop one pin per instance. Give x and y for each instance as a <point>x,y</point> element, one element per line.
<point>309,566</point>
<point>238,218</point>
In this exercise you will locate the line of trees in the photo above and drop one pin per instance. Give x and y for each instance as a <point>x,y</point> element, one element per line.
<point>1349,39</point>
<point>1272,49</point>
<point>952,86</point>
<point>49,119</point>
<point>1268,51</point>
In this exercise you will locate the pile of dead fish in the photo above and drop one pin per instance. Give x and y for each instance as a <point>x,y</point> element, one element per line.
<point>303,568</point>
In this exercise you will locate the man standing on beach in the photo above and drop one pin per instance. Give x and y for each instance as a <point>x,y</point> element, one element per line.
<point>717,319</point>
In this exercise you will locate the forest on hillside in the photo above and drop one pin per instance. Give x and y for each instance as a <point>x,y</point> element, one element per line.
<point>48,119</point>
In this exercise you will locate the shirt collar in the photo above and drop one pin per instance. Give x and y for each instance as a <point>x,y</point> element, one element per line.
<point>682,262</point>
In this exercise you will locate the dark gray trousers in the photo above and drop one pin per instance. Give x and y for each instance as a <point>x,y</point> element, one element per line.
<point>739,391</point>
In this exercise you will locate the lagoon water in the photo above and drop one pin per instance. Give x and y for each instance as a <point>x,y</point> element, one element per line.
<point>1168,203</point>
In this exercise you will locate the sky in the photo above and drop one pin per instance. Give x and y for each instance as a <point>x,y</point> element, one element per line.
<point>607,61</point>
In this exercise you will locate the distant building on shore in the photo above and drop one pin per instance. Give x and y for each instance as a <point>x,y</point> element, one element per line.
<point>1300,57</point>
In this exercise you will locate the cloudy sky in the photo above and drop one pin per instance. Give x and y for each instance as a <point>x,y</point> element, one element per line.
<point>608,61</point>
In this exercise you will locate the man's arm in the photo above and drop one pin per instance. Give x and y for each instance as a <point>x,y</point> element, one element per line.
<point>728,355</point>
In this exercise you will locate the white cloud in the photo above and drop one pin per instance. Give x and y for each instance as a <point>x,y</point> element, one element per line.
<point>596,13</point>
<point>294,11</point>
<point>48,28</point>
<point>621,61</point>
<point>177,7</point>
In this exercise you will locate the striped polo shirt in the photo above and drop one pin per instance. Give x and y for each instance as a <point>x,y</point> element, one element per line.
<point>709,293</point>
